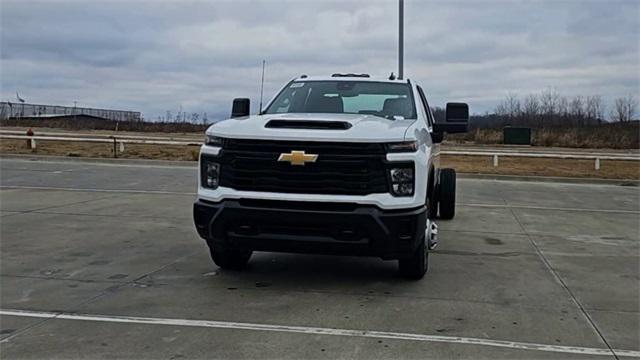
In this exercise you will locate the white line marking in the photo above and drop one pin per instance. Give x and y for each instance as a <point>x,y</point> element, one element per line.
<point>320,331</point>
<point>551,208</point>
<point>97,190</point>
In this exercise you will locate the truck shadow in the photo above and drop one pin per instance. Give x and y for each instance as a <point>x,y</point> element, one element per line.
<point>314,270</point>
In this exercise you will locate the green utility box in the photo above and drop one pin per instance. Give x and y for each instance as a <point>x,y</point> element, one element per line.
<point>516,136</point>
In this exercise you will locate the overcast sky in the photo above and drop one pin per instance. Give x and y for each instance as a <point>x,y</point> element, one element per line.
<point>153,56</point>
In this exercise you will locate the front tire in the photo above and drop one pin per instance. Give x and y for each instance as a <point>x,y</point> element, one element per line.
<point>416,266</point>
<point>447,194</point>
<point>229,259</point>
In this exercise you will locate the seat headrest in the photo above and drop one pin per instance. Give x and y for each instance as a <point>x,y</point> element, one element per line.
<point>398,106</point>
<point>325,104</point>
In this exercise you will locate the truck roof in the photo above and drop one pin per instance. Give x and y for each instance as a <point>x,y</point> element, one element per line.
<point>349,77</point>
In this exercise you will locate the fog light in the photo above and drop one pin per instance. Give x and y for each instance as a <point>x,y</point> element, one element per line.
<point>403,189</point>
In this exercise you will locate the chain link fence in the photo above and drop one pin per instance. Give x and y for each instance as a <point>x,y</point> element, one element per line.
<point>10,110</point>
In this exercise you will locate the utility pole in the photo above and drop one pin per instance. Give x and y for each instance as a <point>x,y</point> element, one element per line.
<point>400,39</point>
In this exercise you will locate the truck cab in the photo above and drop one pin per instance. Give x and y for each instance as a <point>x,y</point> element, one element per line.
<point>344,164</point>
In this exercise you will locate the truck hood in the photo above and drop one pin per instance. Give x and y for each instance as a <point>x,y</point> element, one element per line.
<point>361,128</point>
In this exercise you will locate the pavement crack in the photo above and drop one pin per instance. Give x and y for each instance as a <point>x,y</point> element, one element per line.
<point>60,279</point>
<point>560,281</point>
<point>68,204</point>
<point>118,285</point>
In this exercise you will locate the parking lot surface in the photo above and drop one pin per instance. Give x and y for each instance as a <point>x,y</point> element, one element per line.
<point>102,260</point>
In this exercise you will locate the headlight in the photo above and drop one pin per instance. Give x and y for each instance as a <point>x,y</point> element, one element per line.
<point>209,173</point>
<point>402,180</point>
<point>212,140</point>
<point>406,146</point>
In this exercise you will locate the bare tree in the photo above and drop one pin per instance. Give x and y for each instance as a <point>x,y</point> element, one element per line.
<point>501,109</point>
<point>599,107</point>
<point>513,106</point>
<point>594,108</point>
<point>625,108</point>
<point>576,109</point>
<point>563,107</point>
<point>549,104</point>
<point>531,108</point>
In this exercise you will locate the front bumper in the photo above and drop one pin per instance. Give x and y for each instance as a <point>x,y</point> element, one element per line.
<point>310,227</point>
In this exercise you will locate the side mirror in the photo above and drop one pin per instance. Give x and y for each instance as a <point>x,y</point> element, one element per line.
<point>456,119</point>
<point>240,107</point>
<point>437,137</point>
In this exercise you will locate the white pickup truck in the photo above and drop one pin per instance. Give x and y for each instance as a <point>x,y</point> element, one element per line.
<point>345,164</point>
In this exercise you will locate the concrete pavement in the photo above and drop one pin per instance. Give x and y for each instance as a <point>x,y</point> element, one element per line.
<point>112,247</point>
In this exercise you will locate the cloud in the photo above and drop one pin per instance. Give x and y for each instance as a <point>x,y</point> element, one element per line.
<point>153,56</point>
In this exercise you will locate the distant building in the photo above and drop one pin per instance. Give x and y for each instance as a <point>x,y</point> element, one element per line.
<point>10,110</point>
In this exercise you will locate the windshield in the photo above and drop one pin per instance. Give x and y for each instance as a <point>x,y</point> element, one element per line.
<point>392,101</point>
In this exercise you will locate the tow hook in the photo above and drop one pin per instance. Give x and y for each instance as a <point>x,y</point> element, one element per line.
<point>432,234</point>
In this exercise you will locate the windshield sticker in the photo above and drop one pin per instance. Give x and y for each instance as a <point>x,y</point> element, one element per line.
<point>296,85</point>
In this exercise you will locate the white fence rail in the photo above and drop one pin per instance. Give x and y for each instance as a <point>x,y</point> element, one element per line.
<point>118,142</point>
<point>113,139</point>
<point>496,154</point>
<point>150,140</point>
<point>107,136</point>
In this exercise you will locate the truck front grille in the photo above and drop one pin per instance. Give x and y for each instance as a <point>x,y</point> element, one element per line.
<point>341,168</point>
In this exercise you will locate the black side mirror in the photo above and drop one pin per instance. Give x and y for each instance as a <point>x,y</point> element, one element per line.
<point>240,107</point>
<point>437,137</point>
<point>456,119</point>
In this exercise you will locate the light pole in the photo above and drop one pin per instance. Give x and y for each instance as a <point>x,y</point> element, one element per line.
<point>400,39</point>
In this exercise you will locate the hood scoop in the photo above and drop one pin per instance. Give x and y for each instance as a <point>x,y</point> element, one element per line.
<point>308,124</point>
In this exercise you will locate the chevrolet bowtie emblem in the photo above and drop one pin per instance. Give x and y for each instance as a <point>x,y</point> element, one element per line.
<point>298,157</point>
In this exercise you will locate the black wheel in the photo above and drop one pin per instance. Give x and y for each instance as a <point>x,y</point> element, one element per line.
<point>447,193</point>
<point>416,266</point>
<point>229,259</point>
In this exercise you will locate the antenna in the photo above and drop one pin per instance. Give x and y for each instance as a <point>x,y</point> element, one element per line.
<point>400,39</point>
<point>261,89</point>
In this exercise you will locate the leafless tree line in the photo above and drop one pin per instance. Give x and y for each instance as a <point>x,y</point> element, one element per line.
<point>183,117</point>
<point>549,108</point>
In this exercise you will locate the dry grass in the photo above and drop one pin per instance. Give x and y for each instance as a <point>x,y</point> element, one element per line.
<point>605,136</point>
<point>609,169</point>
<point>104,124</point>
<point>101,150</point>
<point>612,169</point>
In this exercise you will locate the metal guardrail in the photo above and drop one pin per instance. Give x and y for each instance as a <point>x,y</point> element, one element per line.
<point>150,140</point>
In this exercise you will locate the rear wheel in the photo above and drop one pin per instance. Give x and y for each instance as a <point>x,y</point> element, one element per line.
<point>416,266</point>
<point>447,193</point>
<point>229,259</point>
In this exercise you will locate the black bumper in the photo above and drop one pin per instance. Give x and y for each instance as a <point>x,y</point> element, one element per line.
<point>303,227</point>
